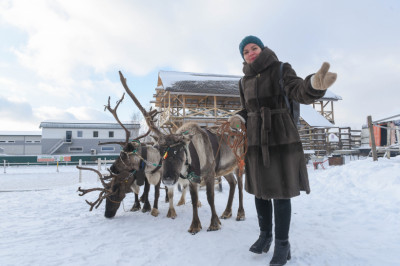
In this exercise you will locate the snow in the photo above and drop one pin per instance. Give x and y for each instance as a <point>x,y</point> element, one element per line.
<point>313,118</point>
<point>351,217</point>
<point>170,77</point>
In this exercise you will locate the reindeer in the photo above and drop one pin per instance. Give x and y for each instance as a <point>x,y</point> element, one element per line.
<point>189,158</point>
<point>139,158</point>
<point>131,160</point>
<point>132,171</point>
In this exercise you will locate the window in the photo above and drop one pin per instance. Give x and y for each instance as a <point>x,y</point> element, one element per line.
<point>107,148</point>
<point>75,149</point>
<point>110,134</point>
<point>79,134</point>
<point>95,134</point>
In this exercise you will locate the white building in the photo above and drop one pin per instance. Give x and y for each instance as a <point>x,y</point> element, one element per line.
<point>20,142</point>
<point>83,137</point>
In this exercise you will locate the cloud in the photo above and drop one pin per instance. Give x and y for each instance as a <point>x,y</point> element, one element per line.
<point>67,61</point>
<point>15,110</point>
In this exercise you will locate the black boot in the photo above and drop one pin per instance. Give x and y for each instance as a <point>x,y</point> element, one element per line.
<point>281,253</point>
<point>262,244</point>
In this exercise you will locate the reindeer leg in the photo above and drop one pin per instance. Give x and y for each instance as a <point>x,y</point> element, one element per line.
<point>232,186</point>
<point>142,198</point>
<point>155,211</point>
<point>166,194</point>
<point>136,206</point>
<point>171,211</point>
<point>215,222</point>
<point>240,214</point>
<point>195,227</point>
<point>146,205</point>
<point>183,196</point>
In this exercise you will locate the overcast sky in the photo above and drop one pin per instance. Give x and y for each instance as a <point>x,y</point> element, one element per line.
<point>60,59</point>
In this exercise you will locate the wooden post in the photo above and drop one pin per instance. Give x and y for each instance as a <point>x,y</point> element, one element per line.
<point>80,171</point>
<point>372,136</point>
<point>99,164</point>
<point>215,108</point>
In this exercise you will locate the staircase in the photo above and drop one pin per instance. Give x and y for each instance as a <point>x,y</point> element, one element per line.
<point>57,146</point>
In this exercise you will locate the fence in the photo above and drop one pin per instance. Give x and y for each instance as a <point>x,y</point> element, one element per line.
<point>318,139</point>
<point>99,162</point>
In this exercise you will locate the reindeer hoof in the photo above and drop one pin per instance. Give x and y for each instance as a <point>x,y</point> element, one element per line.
<point>155,212</point>
<point>181,202</point>
<point>214,228</point>
<point>171,213</point>
<point>194,230</point>
<point>215,225</point>
<point>226,215</point>
<point>240,216</point>
<point>146,207</point>
<point>135,208</point>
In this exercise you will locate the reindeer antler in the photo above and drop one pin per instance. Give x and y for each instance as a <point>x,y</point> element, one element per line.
<point>149,116</point>
<point>105,192</point>
<point>125,179</point>
<point>114,113</point>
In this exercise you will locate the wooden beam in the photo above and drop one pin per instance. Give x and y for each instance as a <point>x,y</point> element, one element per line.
<point>372,136</point>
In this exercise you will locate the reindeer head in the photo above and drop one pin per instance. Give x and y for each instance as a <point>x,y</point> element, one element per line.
<point>175,153</point>
<point>128,159</point>
<point>113,191</point>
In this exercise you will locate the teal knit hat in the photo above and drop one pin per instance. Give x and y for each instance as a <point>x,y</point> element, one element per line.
<point>247,40</point>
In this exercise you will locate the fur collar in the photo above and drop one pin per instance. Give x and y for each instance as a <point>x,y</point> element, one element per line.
<point>266,58</point>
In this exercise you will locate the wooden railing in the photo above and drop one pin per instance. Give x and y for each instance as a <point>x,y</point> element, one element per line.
<point>317,139</point>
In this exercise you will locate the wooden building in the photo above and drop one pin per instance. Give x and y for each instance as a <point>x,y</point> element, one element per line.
<point>208,98</point>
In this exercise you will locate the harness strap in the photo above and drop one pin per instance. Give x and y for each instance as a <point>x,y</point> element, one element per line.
<point>215,147</point>
<point>140,175</point>
<point>193,169</point>
<point>158,167</point>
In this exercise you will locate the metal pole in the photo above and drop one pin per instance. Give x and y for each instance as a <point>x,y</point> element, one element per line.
<point>4,161</point>
<point>372,137</point>
<point>57,167</point>
<point>80,171</point>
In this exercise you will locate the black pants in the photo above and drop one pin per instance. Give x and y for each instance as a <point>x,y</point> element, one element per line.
<point>282,213</point>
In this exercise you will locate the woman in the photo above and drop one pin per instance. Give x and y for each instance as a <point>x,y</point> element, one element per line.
<point>275,165</point>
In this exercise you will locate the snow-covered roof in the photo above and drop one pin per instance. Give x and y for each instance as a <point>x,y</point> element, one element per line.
<point>88,124</point>
<point>198,83</point>
<point>20,133</point>
<point>206,84</point>
<point>313,118</point>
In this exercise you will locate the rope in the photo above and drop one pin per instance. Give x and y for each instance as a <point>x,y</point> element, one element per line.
<point>236,140</point>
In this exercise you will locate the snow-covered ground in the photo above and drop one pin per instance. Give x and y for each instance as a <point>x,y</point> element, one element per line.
<point>351,217</point>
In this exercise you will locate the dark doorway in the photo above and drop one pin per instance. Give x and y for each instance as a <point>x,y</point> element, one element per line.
<point>68,136</point>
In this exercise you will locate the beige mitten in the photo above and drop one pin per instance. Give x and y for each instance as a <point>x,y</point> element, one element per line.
<point>323,79</point>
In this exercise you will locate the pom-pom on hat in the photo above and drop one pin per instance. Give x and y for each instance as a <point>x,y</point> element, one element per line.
<point>247,40</point>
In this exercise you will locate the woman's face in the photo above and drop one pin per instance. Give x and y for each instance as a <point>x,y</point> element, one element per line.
<point>251,52</point>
